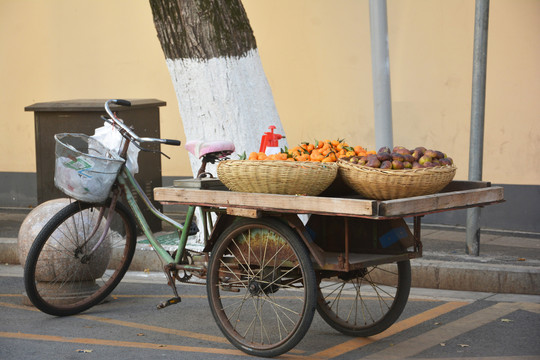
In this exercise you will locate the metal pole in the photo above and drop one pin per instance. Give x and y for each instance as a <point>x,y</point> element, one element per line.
<point>380,65</point>
<point>477,118</point>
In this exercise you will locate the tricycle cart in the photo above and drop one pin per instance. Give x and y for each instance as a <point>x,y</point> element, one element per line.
<point>270,266</point>
<point>269,260</point>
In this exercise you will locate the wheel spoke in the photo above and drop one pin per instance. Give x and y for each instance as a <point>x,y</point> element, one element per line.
<point>364,314</point>
<point>60,278</point>
<point>267,263</point>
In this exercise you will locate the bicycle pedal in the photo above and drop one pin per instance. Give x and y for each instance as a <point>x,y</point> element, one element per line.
<point>193,228</point>
<point>172,301</point>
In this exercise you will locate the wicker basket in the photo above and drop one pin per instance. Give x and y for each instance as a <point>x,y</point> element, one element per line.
<point>383,184</point>
<point>277,176</point>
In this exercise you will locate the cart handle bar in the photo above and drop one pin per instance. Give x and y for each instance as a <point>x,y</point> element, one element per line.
<point>118,123</point>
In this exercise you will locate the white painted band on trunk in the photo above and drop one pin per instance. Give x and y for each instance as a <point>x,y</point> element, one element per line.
<point>225,98</point>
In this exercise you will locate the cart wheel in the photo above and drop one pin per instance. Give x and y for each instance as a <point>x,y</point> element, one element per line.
<point>365,302</point>
<point>261,286</point>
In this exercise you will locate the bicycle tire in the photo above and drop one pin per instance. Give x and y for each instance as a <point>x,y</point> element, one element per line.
<point>353,310</point>
<point>253,260</point>
<point>60,278</point>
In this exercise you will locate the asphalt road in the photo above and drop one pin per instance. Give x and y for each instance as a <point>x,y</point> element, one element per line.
<point>436,324</point>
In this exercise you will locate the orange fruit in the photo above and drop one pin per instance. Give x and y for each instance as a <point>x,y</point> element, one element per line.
<point>358,149</point>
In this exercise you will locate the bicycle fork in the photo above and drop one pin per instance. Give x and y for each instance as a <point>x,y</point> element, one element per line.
<point>88,255</point>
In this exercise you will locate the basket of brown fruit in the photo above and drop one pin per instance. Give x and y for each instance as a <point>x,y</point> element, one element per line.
<point>397,173</point>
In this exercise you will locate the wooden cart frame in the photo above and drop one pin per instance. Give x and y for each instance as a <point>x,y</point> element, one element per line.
<point>457,195</point>
<point>352,256</point>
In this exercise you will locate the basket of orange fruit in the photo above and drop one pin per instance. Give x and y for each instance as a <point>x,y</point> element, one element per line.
<point>306,169</point>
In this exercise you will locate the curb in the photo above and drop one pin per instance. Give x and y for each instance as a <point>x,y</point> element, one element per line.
<point>467,276</point>
<point>426,273</point>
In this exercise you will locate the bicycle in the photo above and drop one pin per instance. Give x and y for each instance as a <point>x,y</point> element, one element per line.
<point>85,249</point>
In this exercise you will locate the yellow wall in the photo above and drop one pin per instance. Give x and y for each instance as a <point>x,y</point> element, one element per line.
<point>316,55</point>
<point>63,49</point>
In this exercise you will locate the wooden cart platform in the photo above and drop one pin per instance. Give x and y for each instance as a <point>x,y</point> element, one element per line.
<point>457,195</point>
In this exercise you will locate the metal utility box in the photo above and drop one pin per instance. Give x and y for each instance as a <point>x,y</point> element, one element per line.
<point>83,116</point>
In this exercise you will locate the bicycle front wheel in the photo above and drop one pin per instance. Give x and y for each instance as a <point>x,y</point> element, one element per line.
<point>261,286</point>
<point>367,301</point>
<point>76,260</point>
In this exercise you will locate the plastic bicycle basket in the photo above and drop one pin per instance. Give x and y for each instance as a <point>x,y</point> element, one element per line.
<point>84,169</point>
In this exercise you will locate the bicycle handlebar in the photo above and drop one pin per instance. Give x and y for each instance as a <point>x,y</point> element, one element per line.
<point>116,122</point>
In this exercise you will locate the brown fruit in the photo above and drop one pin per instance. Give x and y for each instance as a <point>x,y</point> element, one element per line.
<point>397,165</point>
<point>373,162</point>
<point>417,155</point>
<point>384,149</point>
<point>398,157</point>
<point>403,151</point>
<point>445,161</point>
<point>424,159</point>
<point>386,165</point>
<point>407,165</point>
<point>409,158</point>
<point>383,156</point>
<point>420,149</point>
<point>430,153</point>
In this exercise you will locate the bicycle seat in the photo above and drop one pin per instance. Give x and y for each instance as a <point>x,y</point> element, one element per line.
<point>213,148</point>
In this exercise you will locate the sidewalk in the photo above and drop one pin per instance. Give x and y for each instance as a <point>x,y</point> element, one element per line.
<point>508,262</point>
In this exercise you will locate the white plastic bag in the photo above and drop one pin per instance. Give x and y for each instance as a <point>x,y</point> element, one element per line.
<point>114,141</point>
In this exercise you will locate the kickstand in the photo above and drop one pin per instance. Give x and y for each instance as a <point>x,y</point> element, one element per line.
<point>171,282</point>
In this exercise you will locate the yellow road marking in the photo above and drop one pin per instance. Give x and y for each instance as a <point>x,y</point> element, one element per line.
<point>140,345</point>
<point>187,296</point>
<point>532,307</point>
<point>188,334</point>
<point>357,343</point>
<point>446,332</point>
<point>422,342</point>
<point>183,296</point>
<point>20,307</point>
<point>524,357</point>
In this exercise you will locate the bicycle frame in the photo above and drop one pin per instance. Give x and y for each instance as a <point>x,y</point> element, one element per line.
<point>127,181</point>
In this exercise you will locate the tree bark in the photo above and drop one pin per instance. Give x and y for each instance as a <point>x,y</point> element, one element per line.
<point>196,29</point>
<point>216,70</point>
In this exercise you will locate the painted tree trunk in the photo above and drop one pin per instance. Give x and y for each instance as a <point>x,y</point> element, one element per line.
<point>216,70</point>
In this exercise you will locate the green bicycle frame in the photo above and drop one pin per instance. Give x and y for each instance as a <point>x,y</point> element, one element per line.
<point>125,178</point>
